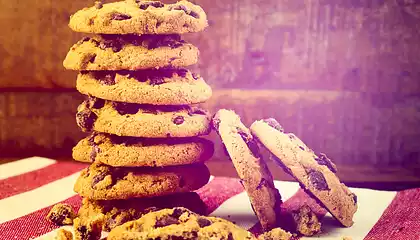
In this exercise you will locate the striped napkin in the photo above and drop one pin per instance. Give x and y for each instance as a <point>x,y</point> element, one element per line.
<point>30,187</point>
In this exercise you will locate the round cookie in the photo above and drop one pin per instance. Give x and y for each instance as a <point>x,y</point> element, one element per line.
<point>118,212</point>
<point>129,52</point>
<point>179,223</point>
<point>102,182</point>
<point>152,86</point>
<point>135,120</point>
<point>316,173</point>
<point>142,152</point>
<point>252,170</point>
<point>140,17</point>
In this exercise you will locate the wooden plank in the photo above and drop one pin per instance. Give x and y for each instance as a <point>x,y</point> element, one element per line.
<point>366,46</point>
<point>352,128</point>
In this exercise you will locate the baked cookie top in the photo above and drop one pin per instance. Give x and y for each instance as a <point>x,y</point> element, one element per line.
<point>130,52</point>
<point>118,212</point>
<point>166,86</point>
<point>179,223</point>
<point>315,172</point>
<point>140,17</point>
<point>135,120</point>
<point>102,182</point>
<point>252,170</point>
<point>142,152</point>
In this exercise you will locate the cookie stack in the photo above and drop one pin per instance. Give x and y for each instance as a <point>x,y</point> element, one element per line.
<point>139,109</point>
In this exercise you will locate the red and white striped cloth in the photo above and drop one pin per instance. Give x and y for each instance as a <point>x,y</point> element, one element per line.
<point>30,187</point>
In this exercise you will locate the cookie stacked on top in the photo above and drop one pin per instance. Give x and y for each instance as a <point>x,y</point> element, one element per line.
<point>139,105</point>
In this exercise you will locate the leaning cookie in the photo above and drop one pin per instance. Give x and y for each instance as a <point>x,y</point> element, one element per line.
<point>152,86</point>
<point>135,120</point>
<point>140,17</point>
<point>252,170</point>
<point>142,152</point>
<point>118,212</point>
<point>109,52</point>
<point>316,173</point>
<point>102,182</point>
<point>179,223</point>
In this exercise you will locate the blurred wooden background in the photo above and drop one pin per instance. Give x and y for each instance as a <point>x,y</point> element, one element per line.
<point>344,75</point>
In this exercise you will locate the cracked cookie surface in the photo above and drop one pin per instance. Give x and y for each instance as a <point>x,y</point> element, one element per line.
<point>252,170</point>
<point>151,86</point>
<point>315,172</point>
<point>179,223</point>
<point>135,120</point>
<point>129,52</point>
<point>102,182</point>
<point>140,17</point>
<point>142,152</point>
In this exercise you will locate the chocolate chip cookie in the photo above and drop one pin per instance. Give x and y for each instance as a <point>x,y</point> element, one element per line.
<point>142,152</point>
<point>88,228</point>
<point>110,52</point>
<point>102,182</point>
<point>152,86</point>
<point>136,120</point>
<point>252,170</point>
<point>140,17</point>
<point>118,212</point>
<point>179,223</point>
<point>315,172</point>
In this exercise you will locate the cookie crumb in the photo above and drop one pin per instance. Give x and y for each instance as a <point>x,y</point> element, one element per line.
<point>61,214</point>
<point>275,234</point>
<point>99,4</point>
<point>306,221</point>
<point>63,235</point>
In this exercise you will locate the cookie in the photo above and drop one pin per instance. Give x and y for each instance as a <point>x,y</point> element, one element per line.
<point>140,17</point>
<point>179,223</point>
<point>88,228</point>
<point>136,120</point>
<point>316,173</point>
<point>61,214</point>
<point>102,182</point>
<point>118,212</point>
<point>130,53</point>
<point>63,234</point>
<point>142,152</point>
<point>275,234</point>
<point>305,221</point>
<point>157,87</point>
<point>252,170</point>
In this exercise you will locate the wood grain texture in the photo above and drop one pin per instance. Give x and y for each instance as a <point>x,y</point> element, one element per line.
<point>352,128</point>
<point>366,46</point>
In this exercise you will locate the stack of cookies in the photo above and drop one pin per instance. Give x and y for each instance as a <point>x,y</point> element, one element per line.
<point>144,147</point>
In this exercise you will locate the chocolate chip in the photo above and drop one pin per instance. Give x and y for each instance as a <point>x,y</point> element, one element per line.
<point>250,142</point>
<point>84,233</point>
<point>105,77</point>
<point>230,236</point>
<point>166,221</point>
<point>262,183</point>
<point>156,80</point>
<point>318,180</point>
<point>197,111</point>
<point>88,58</point>
<point>354,198</point>
<point>99,177</point>
<point>181,72</point>
<point>115,45</point>
<point>179,120</point>
<point>98,4</point>
<point>84,39</point>
<point>196,76</point>
<point>96,103</point>
<point>194,14</point>
<point>58,218</point>
<point>203,222</point>
<point>178,212</point>
<point>156,4</point>
<point>85,119</point>
<point>120,16</point>
<point>274,124</point>
<point>324,160</point>
<point>172,41</point>
<point>185,9</point>
<point>95,147</point>
<point>302,148</point>
<point>126,108</point>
